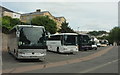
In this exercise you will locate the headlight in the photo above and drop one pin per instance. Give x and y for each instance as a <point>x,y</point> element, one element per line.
<point>21,53</point>
<point>64,48</point>
<point>20,43</point>
<point>76,47</point>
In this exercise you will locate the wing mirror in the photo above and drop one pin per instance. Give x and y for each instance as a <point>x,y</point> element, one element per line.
<point>48,34</point>
<point>18,33</point>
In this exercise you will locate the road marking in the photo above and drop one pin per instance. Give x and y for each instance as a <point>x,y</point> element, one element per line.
<point>100,66</point>
<point>55,64</point>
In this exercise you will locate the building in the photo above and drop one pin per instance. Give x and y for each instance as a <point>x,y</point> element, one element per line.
<point>0,11</point>
<point>6,12</point>
<point>82,32</point>
<point>102,35</point>
<point>59,21</point>
<point>28,16</point>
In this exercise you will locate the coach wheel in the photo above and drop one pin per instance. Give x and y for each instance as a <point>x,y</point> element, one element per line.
<point>85,49</point>
<point>95,48</point>
<point>58,50</point>
<point>8,49</point>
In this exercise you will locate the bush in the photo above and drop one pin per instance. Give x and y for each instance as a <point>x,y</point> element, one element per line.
<point>8,23</point>
<point>45,21</point>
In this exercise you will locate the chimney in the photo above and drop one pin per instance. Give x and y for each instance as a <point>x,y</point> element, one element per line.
<point>38,10</point>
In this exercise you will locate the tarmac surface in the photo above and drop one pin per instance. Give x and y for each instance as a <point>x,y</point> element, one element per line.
<point>103,60</point>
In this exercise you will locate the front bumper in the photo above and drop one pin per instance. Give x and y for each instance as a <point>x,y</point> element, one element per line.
<point>69,51</point>
<point>86,47</point>
<point>31,57</point>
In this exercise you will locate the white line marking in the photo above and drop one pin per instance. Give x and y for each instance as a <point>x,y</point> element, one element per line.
<point>100,66</point>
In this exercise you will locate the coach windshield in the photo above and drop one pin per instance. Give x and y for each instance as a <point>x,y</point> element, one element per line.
<point>70,40</point>
<point>32,37</point>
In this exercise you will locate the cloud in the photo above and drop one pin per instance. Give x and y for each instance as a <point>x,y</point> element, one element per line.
<point>86,15</point>
<point>60,1</point>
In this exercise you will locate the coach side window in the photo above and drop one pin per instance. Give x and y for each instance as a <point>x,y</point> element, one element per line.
<point>57,37</point>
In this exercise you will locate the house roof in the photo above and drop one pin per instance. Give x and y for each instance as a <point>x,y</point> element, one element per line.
<point>5,9</point>
<point>60,17</point>
<point>35,13</point>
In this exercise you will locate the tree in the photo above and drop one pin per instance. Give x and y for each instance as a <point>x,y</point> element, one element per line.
<point>96,33</point>
<point>45,21</point>
<point>114,35</point>
<point>8,23</point>
<point>15,21</point>
<point>65,28</point>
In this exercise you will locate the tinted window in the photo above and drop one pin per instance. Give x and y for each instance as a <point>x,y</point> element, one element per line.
<point>84,39</point>
<point>31,37</point>
<point>70,40</point>
<point>56,37</point>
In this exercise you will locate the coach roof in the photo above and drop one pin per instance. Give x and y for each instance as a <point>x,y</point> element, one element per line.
<point>66,34</point>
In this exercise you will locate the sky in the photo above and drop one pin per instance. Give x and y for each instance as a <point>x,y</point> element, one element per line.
<point>82,16</point>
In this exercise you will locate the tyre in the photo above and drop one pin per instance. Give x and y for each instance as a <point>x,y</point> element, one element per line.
<point>58,50</point>
<point>85,49</point>
<point>8,48</point>
<point>95,48</point>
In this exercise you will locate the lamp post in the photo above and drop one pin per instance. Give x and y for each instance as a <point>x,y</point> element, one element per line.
<point>78,29</point>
